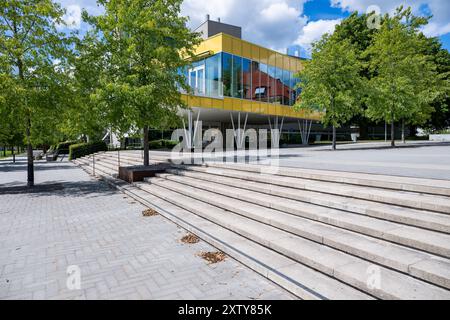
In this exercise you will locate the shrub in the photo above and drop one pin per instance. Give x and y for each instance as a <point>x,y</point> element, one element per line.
<point>162,144</point>
<point>63,147</point>
<point>83,149</point>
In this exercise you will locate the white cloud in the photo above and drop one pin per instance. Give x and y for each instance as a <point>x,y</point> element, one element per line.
<point>271,23</point>
<point>314,30</point>
<point>72,18</point>
<point>439,24</point>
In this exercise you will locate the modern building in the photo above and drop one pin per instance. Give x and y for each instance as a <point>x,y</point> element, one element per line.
<point>238,84</point>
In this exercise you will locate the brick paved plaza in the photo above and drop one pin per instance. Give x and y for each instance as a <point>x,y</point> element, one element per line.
<point>73,219</point>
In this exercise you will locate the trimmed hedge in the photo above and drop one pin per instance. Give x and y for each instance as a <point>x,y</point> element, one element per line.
<point>162,144</point>
<point>62,147</point>
<point>83,149</point>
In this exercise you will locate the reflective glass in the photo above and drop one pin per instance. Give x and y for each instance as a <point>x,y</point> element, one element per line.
<point>213,76</point>
<point>257,91</point>
<point>247,78</point>
<point>287,87</point>
<point>226,73</point>
<point>272,84</point>
<point>236,79</point>
<point>265,82</point>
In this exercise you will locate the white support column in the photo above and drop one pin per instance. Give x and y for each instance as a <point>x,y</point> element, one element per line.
<point>239,134</point>
<point>276,130</point>
<point>305,130</point>
<point>191,132</point>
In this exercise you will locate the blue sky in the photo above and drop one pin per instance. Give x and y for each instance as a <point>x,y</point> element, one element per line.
<point>294,24</point>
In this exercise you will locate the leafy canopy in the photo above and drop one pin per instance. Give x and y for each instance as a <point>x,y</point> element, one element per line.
<point>33,64</point>
<point>404,81</point>
<point>331,81</point>
<point>143,45</point>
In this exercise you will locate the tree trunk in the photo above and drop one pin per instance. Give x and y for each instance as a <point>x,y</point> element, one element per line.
<point>392,134</point>
<point>13,154</point>
<point>334,138</point>
<point>403,131</point>
<point>4,151</point>
<point>146,147</point>
<point>30,180</point>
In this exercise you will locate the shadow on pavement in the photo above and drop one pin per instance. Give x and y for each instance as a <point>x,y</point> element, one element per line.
<point>43,166</point>
<point>60,188</point>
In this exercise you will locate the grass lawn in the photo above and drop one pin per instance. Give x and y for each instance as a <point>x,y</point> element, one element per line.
<point>2,154</point>
<point>8,154</point>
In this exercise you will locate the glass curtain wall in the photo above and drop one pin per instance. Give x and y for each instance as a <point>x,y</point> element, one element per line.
<point>236,79</point>
<point>214,76</point>
<point>247,78</point>
<point>256,91</point>
<point>227,75</point>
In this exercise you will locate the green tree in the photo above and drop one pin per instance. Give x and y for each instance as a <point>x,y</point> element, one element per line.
<point>404,80</point>
<point>84,117</point>
<point>440,119</point>
<point>145,43</point>
<point>34,55</point>
<point>331,82</point>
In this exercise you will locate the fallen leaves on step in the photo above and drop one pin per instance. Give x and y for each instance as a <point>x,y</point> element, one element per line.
<point>150,213</point>
<point>190,239</point>
<point>213,257</point>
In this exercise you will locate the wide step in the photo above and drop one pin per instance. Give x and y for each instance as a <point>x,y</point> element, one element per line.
<point>378,251</point>
<point>427,186</point>
<point>257,182</point>
<point>426,240</point>
<point>334,263</point>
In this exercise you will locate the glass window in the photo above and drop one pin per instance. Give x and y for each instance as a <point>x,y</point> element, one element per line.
<point>236,79</point>
<point>226,73</point>
<point>287,88</point>
<point>247,79</point>
<point>257,91</point>
<point>265,83</point>
<point>196,77</point>
<point>213,76</point>
<point>272,84</point>
<point>295,91</point>
<point>291,88</point>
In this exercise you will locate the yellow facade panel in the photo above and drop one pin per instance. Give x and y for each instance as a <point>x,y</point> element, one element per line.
<point>237,104</point>
<point>255,52</point>
<point>286,63</point>
<point>264,108</point>
<point>237,47</point>
<point>264,55</point>
<point>272,58</point>
<point>281,111</point>
<point>215,44</point>
<point>228,104</point>
<point>216,103</point>
<point>256,107</point>
<point>247,50</point>
<point>194,101</point>
<point>279,60</point>
<point>247,106</point>
<point>206,102</point>
<point>227,45</point>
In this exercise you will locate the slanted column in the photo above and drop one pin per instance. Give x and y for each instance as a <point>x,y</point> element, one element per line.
<point>191,130</point>
<point>276,129</point>
<point>305,130</point>
<point>239,134</point>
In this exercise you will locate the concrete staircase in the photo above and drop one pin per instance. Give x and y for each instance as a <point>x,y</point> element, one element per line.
<point>319,234</point>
